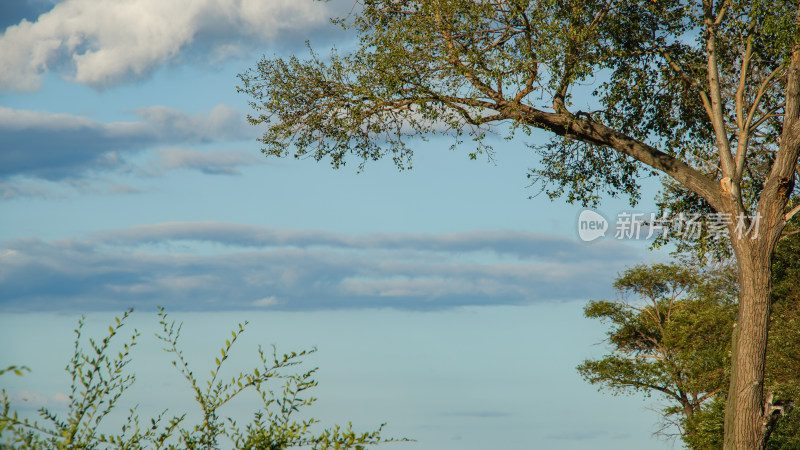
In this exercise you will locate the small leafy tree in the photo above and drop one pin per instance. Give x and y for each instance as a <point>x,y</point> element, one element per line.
<point>100,378</point>
<point>672,339</point>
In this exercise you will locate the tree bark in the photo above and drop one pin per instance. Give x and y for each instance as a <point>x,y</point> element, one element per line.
<point>744,425</point>
<point>730,402</point>
<point>745,420</point>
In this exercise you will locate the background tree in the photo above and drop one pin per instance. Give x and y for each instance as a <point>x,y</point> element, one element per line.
<point>670,337</point>
<point>783,352</point>
<point>705,92</point>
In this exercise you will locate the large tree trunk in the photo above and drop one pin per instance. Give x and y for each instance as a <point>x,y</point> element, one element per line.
<point>744,424</point>
<point>745,416</point>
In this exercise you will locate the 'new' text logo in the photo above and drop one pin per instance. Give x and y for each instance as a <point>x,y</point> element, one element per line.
<point>591,225</point>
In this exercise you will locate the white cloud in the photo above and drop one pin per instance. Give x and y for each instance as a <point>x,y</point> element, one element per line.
<point>105,42</point>
<point>210,162</point>
<point>33,399</point>
<point>266,301</point>
<point>63,146</point>
<point>300,270</point>
<point>28,188</point>
<point>521,244</point>
<point>432,288</point>
<point>60,398</point>
<point>223,122</point>
<point>55,155</point>
<point>16,119</point>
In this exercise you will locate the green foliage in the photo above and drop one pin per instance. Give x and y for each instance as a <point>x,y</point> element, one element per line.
<point>704,430</point>
<point>673,340</point>
<point>455,68</point>
<point>461,68</point>
<point>786,434</point>
<point>100,378</point>
<point>783,350</point>
<point>16,370</point>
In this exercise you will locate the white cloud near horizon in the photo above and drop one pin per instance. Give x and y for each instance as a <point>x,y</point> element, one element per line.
<point>104,42</point>
<point>27,399</point>
<point>306,270</point>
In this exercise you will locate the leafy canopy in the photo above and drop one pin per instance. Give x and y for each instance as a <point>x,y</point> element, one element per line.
<point>466,68</point>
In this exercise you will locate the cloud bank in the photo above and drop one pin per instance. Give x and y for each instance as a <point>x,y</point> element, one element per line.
<point>65,147</point>
<point>102,43</point>
<point>221,266</point>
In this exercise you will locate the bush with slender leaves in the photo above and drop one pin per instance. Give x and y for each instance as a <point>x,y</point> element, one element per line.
<point>100,377</point>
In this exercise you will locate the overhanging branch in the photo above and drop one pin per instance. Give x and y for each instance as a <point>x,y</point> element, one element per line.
<point>595,133</point>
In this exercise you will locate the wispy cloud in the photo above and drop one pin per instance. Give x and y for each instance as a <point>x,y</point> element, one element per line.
<point>34,400</point>
<point>287,269</point>
<point>211,162</point>
<point>29,188</point>
<point>66,148</point>
<point>102,42</point>
<point>521,244</point>
<point>266,301</point>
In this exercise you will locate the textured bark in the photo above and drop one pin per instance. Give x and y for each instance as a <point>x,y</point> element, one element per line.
<point>596,133</point>
<point>730,403</point>
<point>744,425</point>
<point>745,419</point>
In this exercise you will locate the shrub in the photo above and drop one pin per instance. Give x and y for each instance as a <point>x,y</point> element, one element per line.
<point>100,378</point>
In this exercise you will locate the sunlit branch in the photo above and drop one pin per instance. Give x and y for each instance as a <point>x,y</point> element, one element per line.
<point>791,213</point>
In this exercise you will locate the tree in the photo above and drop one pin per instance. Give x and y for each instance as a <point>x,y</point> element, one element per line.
<point>705,93</point>
<point>100,377</point>
<point>670,337</point>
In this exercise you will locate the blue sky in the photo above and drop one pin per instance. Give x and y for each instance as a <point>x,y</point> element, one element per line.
<point>130,178</point>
